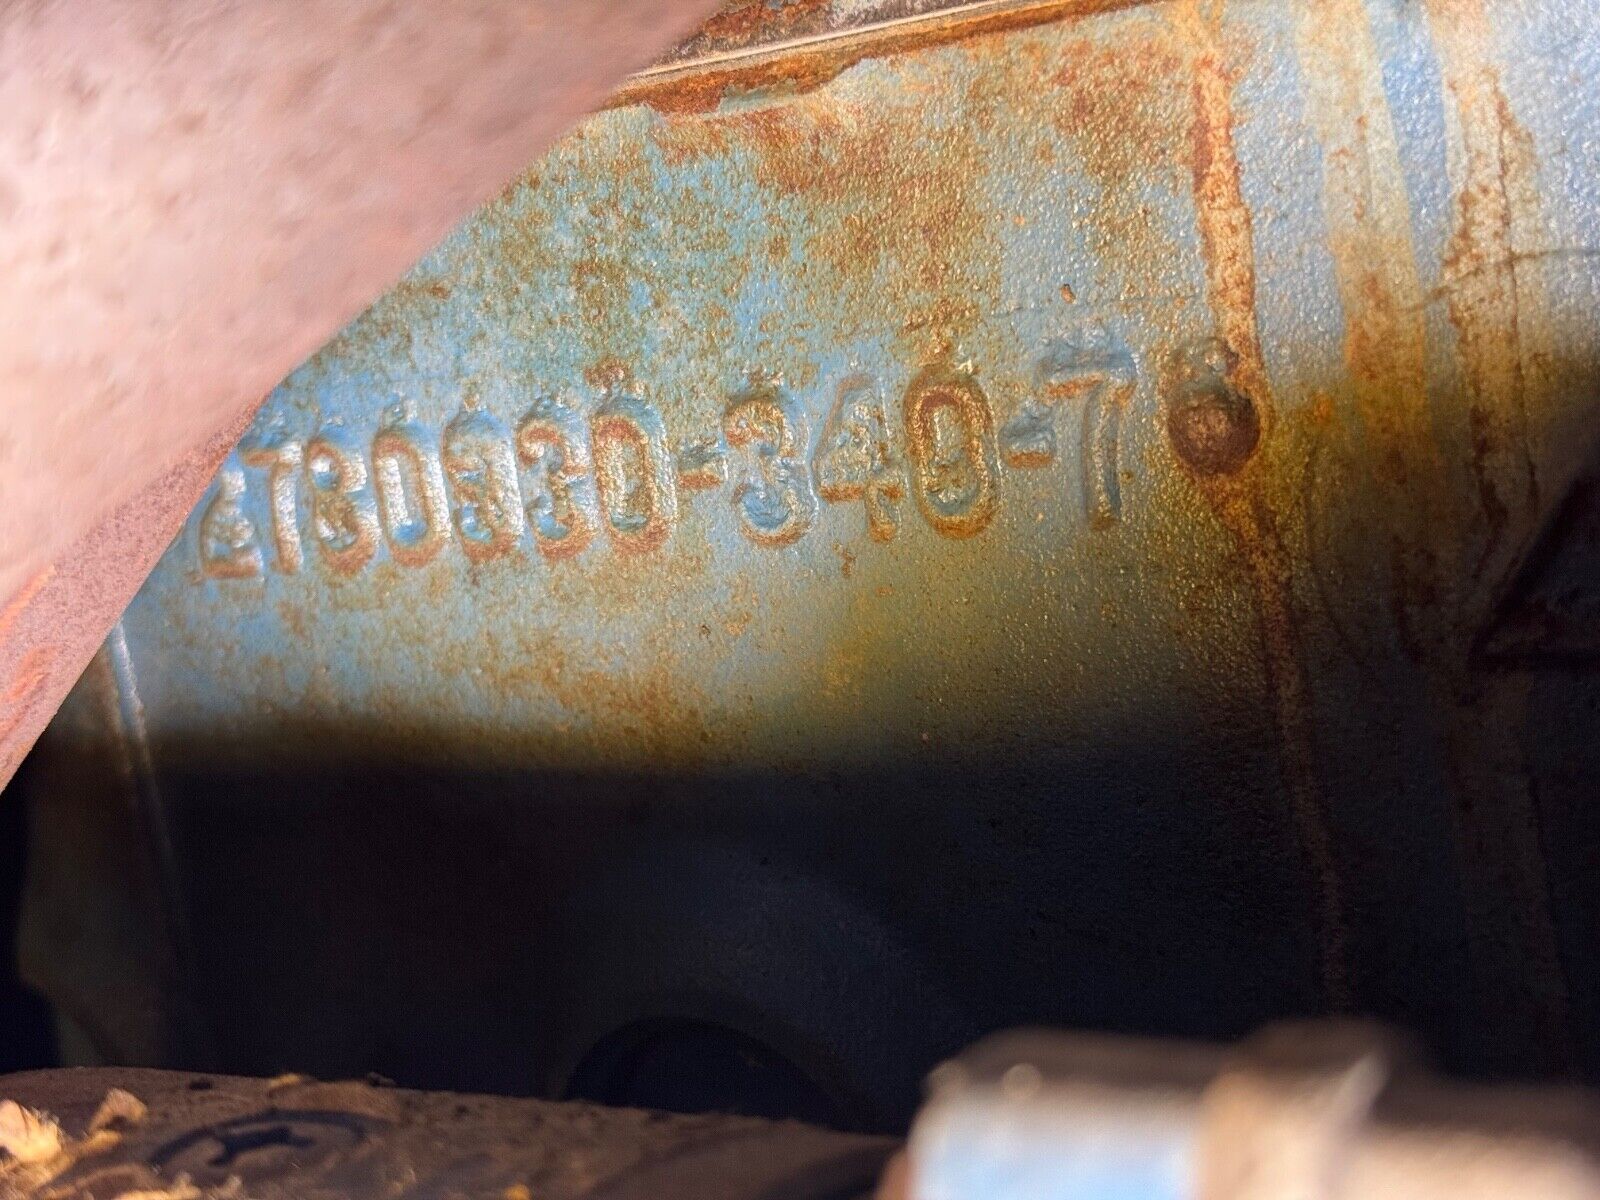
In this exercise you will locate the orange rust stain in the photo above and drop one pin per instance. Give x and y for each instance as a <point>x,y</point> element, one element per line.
<point>648,713</point>
<point>894,224</point>
<point>93,580</point>
<point>1494,307</point>
<point>704,89</point>
<point>1367,209</point>
<point>1498,312</point>
<point>621,207</point>
<point>1369,224</point>
<point>18,603</point>
<point>743,604</point>
<point>294,615</point>
<point>609,373</point>
<point>1225,222</point>
<point>954,392</point>
<point>25,688</point>
<point>602,286</point>
<point>626,467</point>
<point>1120,106</point>
<point>738,24</point>
<point>1242,499</point>
<point>31,672</point>
<point>847,559</point>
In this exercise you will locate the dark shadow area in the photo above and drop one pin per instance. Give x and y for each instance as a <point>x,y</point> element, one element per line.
<point>696,1067</point>
<point>27,1032</point>
<point>782,945</point>
<point>1550,614</point>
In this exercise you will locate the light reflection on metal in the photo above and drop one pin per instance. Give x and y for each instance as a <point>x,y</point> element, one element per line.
<point>1314,1112</point>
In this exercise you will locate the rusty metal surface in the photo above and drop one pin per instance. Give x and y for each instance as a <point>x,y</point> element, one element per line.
<point>78,1135</point>
<point>1313,1111</point>
<point>1022,506</point>
<point>191,201</point>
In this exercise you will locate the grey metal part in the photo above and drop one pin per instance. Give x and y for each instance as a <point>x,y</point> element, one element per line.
<point>1318,1112</point>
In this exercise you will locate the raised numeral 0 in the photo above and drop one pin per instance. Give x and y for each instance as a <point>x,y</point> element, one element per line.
<point>411,499</point>
<point>638,492</point>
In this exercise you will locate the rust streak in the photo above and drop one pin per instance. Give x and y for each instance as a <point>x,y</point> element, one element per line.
<point>1367,209</point>
<point>744,22</point>
<point>18,603</point>
<point>1492,304</point>
<point>19,698</point>
<point>1498,311</point>
<point>1239,497</point>
<point>1225,224</point>
<point>65,611</point>
<point>30,673</point>
<point>1369,227</point>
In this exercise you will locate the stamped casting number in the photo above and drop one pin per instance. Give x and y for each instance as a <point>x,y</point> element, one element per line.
<point>565,479</point>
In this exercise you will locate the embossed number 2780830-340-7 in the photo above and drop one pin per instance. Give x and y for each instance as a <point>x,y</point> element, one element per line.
<point>560,478</point>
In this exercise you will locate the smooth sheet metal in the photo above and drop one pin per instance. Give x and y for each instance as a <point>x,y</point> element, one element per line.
<point>1076,451</point>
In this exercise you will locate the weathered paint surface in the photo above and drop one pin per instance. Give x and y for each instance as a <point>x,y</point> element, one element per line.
<point>1139,413</point>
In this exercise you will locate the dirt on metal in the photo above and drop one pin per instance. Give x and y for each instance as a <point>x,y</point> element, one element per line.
<point>159,1135</point>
